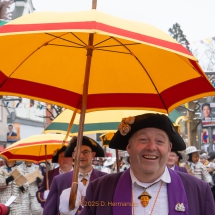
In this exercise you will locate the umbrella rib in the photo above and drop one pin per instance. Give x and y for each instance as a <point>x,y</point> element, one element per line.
<point>65,39</point>
<point>113,51</point>
<point>22,63</point>
<point>66,46</point>
<point>40,150</point>
<point>119,45</point>
<point>188,63</point>
<point>144,70</point>
<point>79,39</point>
<point>102,41</point>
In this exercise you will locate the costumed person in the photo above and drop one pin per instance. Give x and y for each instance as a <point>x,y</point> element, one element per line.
<point>173,161</point>
<point>30,205</point>
<point>65,165</point>
<point>4,210</point>
<point>62,183</point>
<point>198,169</point>
<point>211,169</point>
<point>109,165</point>
<point>148,139</point>
<point>126,162</point>
<point>211,164</point>
<point>8,187</point>
<point>203,159</point>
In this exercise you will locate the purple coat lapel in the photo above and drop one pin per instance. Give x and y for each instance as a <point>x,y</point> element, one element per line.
<point>176,168</point>
<point>70,179</point>
<point>175,189</point>
<point>123,195</point>
<point>176,194</point>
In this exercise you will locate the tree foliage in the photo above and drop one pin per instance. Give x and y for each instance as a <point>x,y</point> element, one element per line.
<point>179,36</point>
<point>192,122</point>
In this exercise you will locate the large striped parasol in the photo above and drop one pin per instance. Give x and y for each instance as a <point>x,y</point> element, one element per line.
<point>90,60</point>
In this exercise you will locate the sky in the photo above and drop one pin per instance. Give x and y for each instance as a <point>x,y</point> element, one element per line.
<point>196,17</point>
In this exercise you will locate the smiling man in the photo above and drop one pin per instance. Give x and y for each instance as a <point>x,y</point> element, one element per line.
<point>148,139</point>
<point>65,165</point>
<point>90,148</point>
<point>173,161</point>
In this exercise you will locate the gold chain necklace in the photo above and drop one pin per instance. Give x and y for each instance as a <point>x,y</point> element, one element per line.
<point>133,211</point>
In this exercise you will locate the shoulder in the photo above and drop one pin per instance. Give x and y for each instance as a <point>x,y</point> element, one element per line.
<point>192,182</point>
<point>182,169</point>
<point>100,173</point>
<point>107,178</point>
<point>63,176</point>
<point>53,171</point>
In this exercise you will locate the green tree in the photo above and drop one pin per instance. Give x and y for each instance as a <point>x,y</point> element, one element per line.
<point>193,106</point>
<point>179,36</point>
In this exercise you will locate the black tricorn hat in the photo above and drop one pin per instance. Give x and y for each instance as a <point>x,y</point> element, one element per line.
<point>178,154</point>
<point>56,154</point>
<point>211,156</point>
<point>86,142</point>
<point>130,125</point>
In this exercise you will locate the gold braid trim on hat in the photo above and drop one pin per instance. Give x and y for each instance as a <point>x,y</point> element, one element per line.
<point>92,142</point>
<point>74,138</point>
<point>124,127</point>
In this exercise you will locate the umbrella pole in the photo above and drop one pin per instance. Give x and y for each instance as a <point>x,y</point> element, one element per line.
<point>70,126</point>
<point>117,160</point>
<point>47,180</point>
<point>74,185</point>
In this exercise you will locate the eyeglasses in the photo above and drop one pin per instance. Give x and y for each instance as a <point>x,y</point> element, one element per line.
<point>85,153</point>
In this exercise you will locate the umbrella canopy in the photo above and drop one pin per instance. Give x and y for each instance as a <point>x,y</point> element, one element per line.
<point>33,147</point>
<point>2,22</point>
<point>95,122</point>
<point>134,65</point>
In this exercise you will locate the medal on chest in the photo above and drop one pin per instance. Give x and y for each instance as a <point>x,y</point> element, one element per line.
<point>144,199</point>
<point>84,181</point>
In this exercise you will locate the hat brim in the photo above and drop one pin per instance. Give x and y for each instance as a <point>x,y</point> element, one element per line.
<point>193,152</point>
<point>159,121</point>
<point>86,142</point>
<point>55,157</point>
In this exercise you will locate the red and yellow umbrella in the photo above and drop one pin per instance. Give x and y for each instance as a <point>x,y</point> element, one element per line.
<point>34,148</point>
<point>134,65</point>
<point>90,60</point>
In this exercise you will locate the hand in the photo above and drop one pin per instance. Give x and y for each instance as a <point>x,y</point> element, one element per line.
<point>9,179</point>
<point>22,189</point>
<point>46,193</point>
<point>64,202</point>
<point>38,180</point>
<point>210,169</point>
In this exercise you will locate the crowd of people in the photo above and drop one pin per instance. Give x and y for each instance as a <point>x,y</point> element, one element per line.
<point>158,175</point>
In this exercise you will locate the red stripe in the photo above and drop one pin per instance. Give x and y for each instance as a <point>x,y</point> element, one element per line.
<point>185,90</point>
<point>42,91</point>
<point>48,142</point>
<point>93,25</point>
<point>27,88</point>
<point>196,66</point>
<point>118,100</point>
<point>128,100</point>
<point>3,77</point>
<point>26,157</point>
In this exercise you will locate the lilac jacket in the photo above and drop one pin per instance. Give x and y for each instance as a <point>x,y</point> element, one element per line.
<point>40,192</point>
<point>60,183</point>
<point>195,194</point>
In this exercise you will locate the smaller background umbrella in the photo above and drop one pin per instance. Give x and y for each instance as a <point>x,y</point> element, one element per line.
<point>33,147</point>
<point>95,122</point>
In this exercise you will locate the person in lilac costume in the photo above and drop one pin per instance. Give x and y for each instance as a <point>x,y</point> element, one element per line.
<point>148,139</point>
